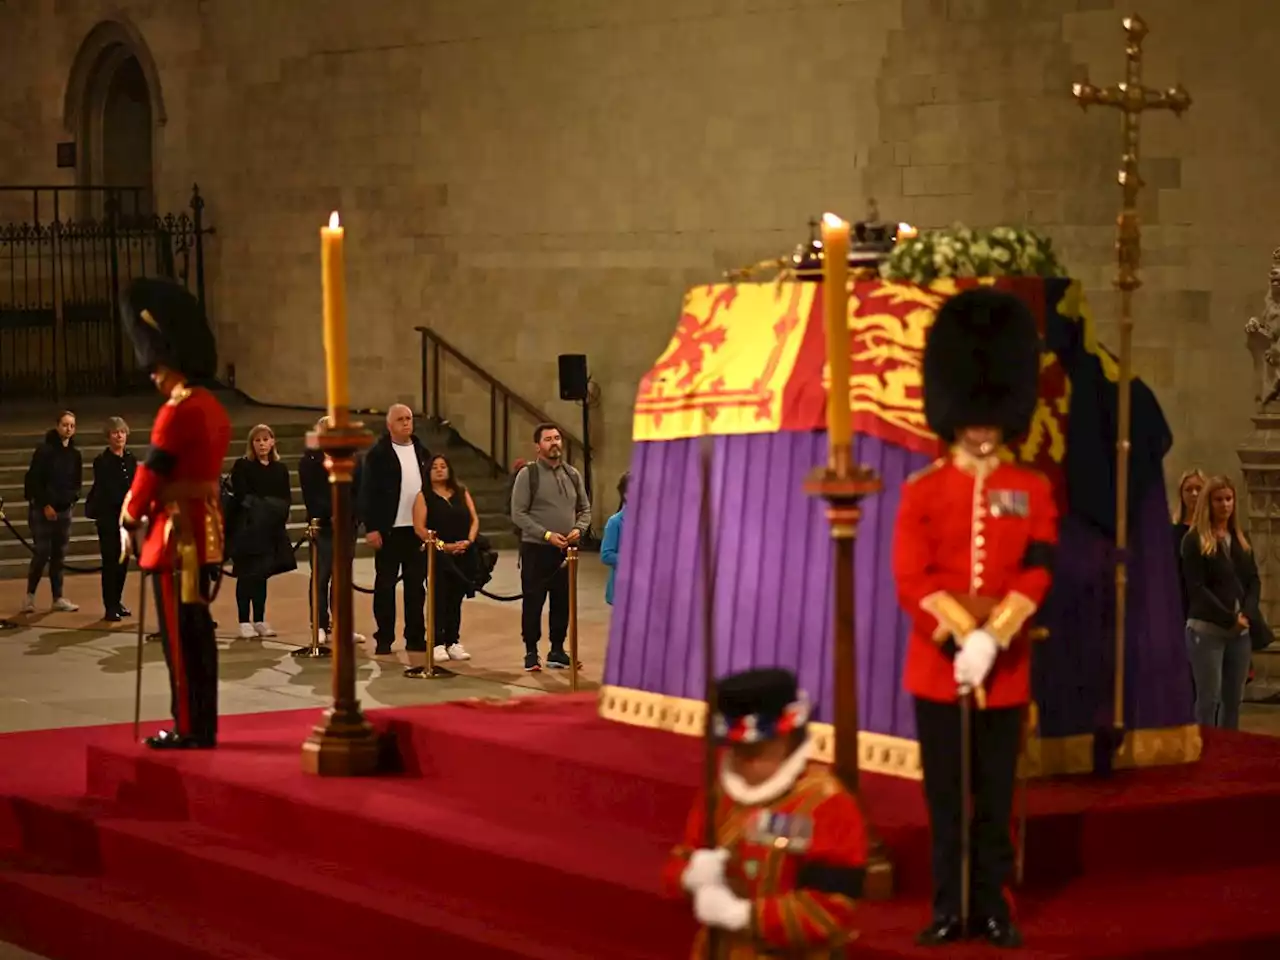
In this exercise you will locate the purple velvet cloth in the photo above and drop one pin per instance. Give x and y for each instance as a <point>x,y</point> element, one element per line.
<point>773,572</point>
<point>773,590</point>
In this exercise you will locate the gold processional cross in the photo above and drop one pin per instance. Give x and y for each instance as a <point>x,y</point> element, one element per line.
<point>1132,99</point>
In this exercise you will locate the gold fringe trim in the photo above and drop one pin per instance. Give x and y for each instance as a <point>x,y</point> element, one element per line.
<point>899,757</point>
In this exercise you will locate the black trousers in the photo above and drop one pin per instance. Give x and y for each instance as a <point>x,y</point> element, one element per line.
<point>447,595</point>
<point>49,538</point>
<point>542,576</point>
<point>400,556</point>
<point>996,736</point>
<point>322,571</point>
<point>113,571</point>
<point>191,653</point>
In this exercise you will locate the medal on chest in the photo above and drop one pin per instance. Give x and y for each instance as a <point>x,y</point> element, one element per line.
<point>784,832</point>
<point>1008,503</point>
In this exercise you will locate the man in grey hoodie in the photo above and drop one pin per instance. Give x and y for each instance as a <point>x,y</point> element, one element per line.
<point>549,504</point>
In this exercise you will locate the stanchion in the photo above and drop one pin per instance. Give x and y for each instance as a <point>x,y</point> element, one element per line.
<point>315,651</point>
<point>571,556</point>
<point>5,624</point>
<point>430,671</point>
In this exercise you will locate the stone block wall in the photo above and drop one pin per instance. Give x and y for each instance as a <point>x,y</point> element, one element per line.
<point>534,177</point>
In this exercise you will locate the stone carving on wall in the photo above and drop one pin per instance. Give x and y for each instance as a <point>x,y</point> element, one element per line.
<point>1260,452</point>
<point>1263,335</point>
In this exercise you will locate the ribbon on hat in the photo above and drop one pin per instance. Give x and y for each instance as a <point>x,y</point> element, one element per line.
<point>755,727</point>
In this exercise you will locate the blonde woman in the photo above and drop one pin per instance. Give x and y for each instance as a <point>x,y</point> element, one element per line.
<point>113,471</point>
<point>262,495</point>
<point>1223,589</point>
<point>1190,485</point>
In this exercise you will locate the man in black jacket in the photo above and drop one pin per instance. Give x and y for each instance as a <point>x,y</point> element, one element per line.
<point>52,488</point>
<point>391,477</point>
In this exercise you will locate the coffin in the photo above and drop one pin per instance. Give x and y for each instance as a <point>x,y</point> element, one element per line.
<point>746,366</point>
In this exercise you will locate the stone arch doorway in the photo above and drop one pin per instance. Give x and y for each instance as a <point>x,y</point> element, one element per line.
<point>114,110</point>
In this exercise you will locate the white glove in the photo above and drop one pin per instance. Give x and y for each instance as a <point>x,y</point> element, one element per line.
<point>718,906</point>
<point>974,660</point>
<point>705,867</point>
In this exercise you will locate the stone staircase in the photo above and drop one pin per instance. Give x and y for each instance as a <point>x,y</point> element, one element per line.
<point>472,468</point>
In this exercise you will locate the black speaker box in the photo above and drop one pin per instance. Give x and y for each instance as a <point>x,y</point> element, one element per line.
<point>573,376</point>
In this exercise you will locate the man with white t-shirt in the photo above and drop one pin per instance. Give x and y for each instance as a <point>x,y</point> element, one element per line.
<point>391,477</point>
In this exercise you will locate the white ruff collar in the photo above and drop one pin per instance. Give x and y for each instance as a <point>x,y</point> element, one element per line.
<point>741,792</point>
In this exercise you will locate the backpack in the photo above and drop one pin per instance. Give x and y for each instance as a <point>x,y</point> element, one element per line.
<point>534,479</point>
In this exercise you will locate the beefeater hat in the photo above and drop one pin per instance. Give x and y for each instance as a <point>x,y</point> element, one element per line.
<point>168,328</point>
<point>759,705</point>
<point>982,365</point>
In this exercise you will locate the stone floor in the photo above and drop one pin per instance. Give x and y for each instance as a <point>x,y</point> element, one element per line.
<point>70,669</point>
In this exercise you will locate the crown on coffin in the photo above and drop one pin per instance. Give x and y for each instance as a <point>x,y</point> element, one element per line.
<point>872,242</point>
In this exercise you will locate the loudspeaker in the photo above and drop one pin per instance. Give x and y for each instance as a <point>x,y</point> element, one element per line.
<point>573,376</point>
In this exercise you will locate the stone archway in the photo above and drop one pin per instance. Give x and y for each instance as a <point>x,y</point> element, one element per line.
<point>114,109</point>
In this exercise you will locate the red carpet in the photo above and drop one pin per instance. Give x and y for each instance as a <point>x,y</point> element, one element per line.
<point>536,830</point>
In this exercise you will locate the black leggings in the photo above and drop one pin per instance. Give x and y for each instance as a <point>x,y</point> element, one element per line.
<point>251,599</point>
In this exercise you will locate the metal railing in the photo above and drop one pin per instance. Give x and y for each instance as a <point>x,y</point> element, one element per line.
<point>505,405</point>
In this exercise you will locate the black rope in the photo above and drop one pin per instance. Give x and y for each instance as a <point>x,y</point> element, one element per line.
<point>32,550</point>
<point>452,566</point>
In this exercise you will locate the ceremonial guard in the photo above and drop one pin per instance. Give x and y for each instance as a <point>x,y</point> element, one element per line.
<point>791,847</point>
<point>973,547</point>
<point>176,492</point>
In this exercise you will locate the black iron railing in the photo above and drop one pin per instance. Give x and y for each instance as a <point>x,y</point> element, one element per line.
<point>506,407</point>
<point>60,283</point>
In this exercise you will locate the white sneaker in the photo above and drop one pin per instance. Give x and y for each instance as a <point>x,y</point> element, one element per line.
<point>322,636</point>
<point>63,605</point>
<point>247,632</point>
<point>359,637</point>
<point>440,654</point>
<point>28,603</point>
<point>457,652</point>
<point>264,629</point>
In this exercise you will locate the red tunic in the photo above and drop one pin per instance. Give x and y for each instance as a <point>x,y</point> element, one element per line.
<point>982,529</point>
<point>176,488</point>
<point>815,825</point>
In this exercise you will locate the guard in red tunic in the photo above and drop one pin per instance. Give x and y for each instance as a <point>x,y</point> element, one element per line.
<point>175,491</point>
<point>973,547</point>
<point>787,871</point>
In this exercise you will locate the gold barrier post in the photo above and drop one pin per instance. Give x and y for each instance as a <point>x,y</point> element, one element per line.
<point>429,671</point>
<point>315,651</point>
<point>343,744</point>
<point>571,556</point>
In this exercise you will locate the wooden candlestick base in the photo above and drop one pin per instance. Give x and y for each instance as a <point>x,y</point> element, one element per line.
<point>343,744</point>
<point>844,486</point>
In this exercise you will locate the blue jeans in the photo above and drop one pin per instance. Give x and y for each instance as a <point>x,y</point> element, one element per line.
<point>1220,665</point>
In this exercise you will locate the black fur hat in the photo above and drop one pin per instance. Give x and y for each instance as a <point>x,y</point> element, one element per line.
<point>761,704</point>
<point>168,328</point>
<point>982,365</point>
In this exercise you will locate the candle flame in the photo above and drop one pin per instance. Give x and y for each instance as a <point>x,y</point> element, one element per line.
<point>334,222</point>
<point>831,220</point>
<point>906,231</point>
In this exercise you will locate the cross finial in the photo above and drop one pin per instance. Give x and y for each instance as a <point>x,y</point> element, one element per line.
<point>1132,99</point>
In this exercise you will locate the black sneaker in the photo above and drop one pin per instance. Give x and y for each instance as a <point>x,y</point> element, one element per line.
<point>531,662</point>
<point>558,660</point>
<point>123,611</point>
<point>112,617</point>
<point>382,649</point>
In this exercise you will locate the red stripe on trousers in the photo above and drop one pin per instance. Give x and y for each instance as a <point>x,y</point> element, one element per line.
<point>176,663</point>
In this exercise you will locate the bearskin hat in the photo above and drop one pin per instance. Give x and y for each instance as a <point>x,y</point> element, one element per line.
<point>982,365</point>
<point>759,705</point>
<point>168,328</point>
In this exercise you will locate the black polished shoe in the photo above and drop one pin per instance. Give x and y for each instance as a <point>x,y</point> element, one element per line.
<point>998,933</point>
<point>123,611</point>
<point>112,617</point>
<point>168,740</point>
<point>942,931</point>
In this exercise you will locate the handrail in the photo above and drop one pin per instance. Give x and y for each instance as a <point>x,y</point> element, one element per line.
<point>501,399</point>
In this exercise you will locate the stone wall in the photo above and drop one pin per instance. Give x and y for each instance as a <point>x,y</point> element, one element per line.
<point>531,177</point>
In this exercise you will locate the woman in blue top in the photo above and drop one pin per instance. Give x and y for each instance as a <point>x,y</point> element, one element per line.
<point>613,538</point>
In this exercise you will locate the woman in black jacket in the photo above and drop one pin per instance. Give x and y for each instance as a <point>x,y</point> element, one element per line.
<point>52,487</point>
<point>261,495</point>
<point>113,471</point>
<point>1190,484</point>
<point>1223,590</point>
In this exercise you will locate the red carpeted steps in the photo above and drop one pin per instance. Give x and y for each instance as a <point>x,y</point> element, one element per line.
<point>536,830</point>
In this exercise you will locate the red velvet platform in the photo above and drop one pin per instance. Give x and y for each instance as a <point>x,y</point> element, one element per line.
<point>537,830</point>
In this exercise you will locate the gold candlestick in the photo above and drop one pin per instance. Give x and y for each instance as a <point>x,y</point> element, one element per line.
<point>1132,99</point>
